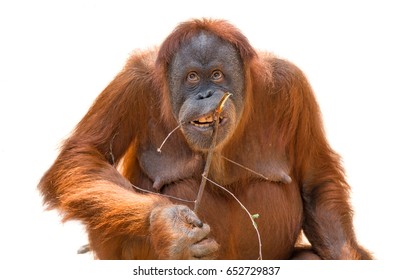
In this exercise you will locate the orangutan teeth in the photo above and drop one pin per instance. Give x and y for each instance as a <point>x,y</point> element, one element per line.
<point>201,125</point>
<point>206,121</point>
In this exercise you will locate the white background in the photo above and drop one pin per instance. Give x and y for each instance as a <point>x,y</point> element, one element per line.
<point>57,56</point>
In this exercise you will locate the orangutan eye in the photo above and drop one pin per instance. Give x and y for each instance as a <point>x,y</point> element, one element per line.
<point>217,75</point>
<point>192,77</point>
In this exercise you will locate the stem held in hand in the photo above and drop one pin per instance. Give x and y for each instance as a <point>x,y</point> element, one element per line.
<point>216,116</point>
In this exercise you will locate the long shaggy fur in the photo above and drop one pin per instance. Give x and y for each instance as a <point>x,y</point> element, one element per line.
<point>280,134</point>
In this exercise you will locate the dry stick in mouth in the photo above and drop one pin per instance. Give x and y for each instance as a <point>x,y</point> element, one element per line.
<point>218,110</point>
<point>216,116</point>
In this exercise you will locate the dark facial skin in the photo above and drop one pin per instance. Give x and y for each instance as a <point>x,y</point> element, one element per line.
<point>200,73</point>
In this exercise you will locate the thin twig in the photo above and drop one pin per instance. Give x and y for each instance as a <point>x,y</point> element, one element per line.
<point>159,150</point>
<point>247,211</point>
<point>244,167</point>
<point>165,195</point>
<point>216,116</point>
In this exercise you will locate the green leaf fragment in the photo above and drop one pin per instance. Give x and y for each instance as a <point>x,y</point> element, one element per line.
<point>255,216</point>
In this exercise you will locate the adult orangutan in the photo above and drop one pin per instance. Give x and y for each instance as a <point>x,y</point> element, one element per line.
<point>270,152</point>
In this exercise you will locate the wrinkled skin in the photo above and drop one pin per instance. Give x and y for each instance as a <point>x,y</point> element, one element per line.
<point>189,234</point>
<point>200,73</point>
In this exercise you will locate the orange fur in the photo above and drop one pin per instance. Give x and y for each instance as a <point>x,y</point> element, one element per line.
<point>280,135</point>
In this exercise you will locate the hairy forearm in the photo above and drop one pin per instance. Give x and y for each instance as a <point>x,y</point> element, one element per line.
<point>85,187</point>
